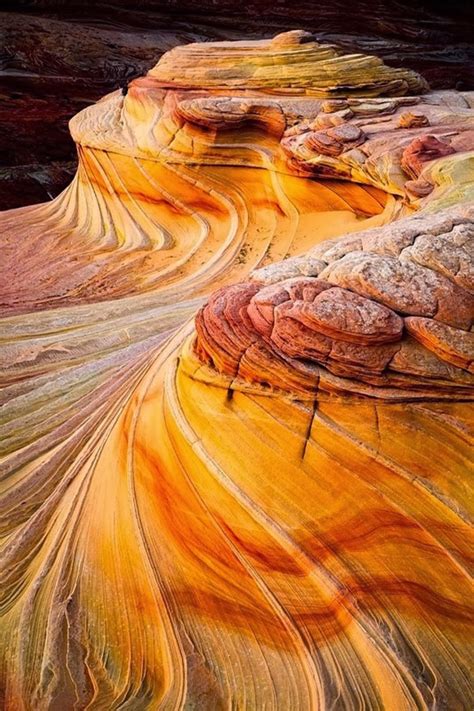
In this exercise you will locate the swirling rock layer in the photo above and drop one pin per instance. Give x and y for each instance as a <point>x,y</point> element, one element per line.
<point>58,57</point>
<point>236,420</point>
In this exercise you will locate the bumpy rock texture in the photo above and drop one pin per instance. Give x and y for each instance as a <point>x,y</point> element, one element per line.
<point>237,368</point>
<point>391,310</point>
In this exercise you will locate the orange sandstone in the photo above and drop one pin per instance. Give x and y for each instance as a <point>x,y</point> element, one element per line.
<point>237,373</point>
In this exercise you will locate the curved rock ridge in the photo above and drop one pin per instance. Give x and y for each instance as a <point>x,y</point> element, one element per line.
<point>235,396</point>
<point>395,144</point>
<point>159,193</point>
<point>56,62</point>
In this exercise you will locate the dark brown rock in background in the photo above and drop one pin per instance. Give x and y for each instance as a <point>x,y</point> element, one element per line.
<point>58,56</point>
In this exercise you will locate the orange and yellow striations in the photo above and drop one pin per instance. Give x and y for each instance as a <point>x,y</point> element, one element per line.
<point>270,510</point>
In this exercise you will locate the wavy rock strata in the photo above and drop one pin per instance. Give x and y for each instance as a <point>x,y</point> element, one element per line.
<point>237,372</point>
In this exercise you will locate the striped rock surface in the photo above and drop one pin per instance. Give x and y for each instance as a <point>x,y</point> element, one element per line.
<point>236,384</point>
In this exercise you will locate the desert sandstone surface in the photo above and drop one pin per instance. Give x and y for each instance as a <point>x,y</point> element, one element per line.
<point>237,368</point>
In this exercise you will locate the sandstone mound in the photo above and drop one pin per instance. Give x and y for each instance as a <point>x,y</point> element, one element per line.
<point>290,62</point>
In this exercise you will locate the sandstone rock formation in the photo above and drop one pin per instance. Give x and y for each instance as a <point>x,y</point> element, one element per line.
<point>237,370</point>
<point>58,57</point>
<point>392,312</point>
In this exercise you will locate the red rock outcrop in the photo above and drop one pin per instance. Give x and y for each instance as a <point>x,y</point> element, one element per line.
<point>389,308</point>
